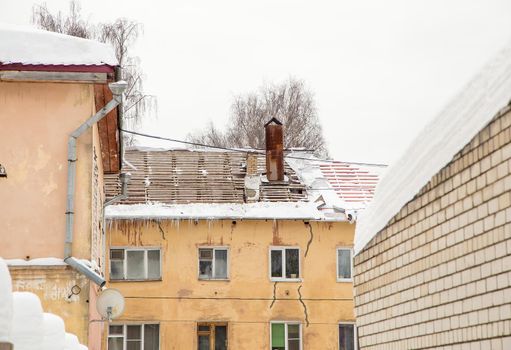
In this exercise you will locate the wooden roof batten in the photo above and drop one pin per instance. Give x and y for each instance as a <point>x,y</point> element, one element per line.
<point>187,176</point>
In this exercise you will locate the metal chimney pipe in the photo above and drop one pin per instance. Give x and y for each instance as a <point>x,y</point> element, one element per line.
<point>274,150</point>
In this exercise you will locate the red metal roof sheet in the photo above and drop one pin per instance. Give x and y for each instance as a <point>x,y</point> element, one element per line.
<point>352,183</point>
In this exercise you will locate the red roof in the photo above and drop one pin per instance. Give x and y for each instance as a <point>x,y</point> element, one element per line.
<point>352,183</point>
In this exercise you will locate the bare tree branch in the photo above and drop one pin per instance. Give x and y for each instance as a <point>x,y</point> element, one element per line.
<point>121,34</point>
<point>290,102</point>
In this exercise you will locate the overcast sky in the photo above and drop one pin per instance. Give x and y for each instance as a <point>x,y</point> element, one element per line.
<point>379,69</point>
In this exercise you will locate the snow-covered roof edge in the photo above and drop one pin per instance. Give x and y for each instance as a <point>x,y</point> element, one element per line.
<point>30,46</point>
<point>218,211</point>
<point>436,145</point>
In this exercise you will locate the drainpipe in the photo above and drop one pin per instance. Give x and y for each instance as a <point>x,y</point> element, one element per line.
<point>117,89</point>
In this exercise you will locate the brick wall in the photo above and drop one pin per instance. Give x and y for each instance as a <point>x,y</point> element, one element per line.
<point>439,274</point>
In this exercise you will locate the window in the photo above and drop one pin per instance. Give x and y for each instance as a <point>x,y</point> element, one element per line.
<point>212,263</point>
<point>134,337</point>
<point>286,336</point>
<point>347,336</point>
<point>212,336</point>
<point>284,264</point>
<point>135,264</point>
<point>344,265</point>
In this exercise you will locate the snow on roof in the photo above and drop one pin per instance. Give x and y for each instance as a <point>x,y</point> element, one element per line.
<point>469,112</point>
<point>36,262</point>
<point>215,211</point>
<point>5,302</point>
<point>30,46</point>
<point>199,184</point>
<point>342,184</point>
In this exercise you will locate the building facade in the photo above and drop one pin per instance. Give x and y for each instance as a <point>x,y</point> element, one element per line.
<point>44,98</point>
<point>212,254</point>
<point>438,273</point>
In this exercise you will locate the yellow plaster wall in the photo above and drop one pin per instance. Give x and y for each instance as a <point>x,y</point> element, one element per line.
<point>180,299</point>
<point>53,285</point>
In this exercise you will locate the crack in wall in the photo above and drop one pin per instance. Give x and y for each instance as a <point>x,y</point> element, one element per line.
<point>161,231</point>
<point>304,306</point>
<point>310,239</point>
<point>274,294</point>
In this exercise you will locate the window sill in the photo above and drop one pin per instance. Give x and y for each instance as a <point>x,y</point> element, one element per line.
<point>274,279</point>
<point>134,280</point>
<point>340,280</point>
<point>215,279</point>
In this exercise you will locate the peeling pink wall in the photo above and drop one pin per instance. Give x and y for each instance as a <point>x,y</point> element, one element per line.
<point>35,121</point>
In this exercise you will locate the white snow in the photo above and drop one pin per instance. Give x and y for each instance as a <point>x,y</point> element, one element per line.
<point>54,332</point>
<point>310,174</point>
<point>208,211</point>
<point>27,45</point>
<point>71,342</point>
<point>27,325</point>
<point>35,262</point>
<point>468,113</point>
<point>6,303</point>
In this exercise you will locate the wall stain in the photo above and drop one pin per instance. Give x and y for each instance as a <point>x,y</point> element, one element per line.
<point>184,292</point>
<point>276,237</point>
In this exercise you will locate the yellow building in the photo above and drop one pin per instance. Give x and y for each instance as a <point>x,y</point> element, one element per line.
<point>50,85</point>
<point>210,252</point>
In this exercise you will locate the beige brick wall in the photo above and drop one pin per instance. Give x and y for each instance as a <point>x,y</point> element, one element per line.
<point>439,274</point>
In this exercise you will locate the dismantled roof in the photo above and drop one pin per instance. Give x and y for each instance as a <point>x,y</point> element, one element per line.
<point>20,45</point>
<point>210,184</point>
<point>467,114</point>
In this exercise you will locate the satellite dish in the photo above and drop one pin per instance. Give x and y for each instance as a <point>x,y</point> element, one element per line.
<point>110,304</point>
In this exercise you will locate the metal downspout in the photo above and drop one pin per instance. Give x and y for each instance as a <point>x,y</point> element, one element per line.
<point>117,89</point>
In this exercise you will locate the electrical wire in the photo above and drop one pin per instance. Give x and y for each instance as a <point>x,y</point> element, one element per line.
<point>244,150</point>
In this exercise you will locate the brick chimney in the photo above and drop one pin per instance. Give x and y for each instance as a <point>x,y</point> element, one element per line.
<point>252,179</point>
<point>274,150</point>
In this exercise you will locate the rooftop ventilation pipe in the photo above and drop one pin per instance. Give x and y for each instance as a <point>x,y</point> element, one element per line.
<point>274,150</point>
<point>117,89</point>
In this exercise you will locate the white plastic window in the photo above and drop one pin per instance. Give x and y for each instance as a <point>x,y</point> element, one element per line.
<point>213,263</point>
<point>284,264</point>
<point>134,337</point>
<point>135,264</point>
<point>347,336</point>
<point>344,264</point>
<point>286,336</point>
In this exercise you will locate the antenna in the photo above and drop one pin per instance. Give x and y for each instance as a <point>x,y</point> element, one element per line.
<point>110,304</point>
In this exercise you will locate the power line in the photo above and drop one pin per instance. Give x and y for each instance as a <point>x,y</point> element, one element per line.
<point>244,150</point>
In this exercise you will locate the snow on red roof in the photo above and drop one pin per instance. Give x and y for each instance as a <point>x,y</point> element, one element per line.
<point>352,183</point>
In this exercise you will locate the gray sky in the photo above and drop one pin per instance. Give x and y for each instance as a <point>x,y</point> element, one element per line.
<point>379,69</point>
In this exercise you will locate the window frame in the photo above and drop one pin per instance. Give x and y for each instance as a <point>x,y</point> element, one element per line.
<point>355,334</point>
<point>125,263</point>
<point>211,334</point>
<point>214,248</point>
<point>350,249</point>
<point>125,333</point>
<point>286,323</point>
<point>283,250</point>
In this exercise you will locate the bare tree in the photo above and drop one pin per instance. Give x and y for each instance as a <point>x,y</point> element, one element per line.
<point>71,24</point>
<point>290,102</point>
<point>121,34</point>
